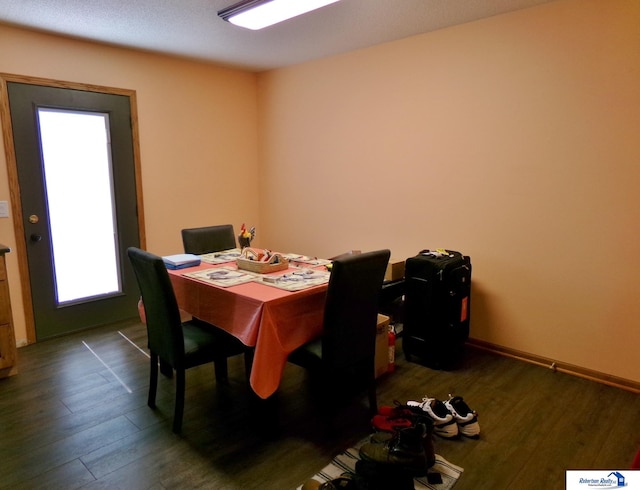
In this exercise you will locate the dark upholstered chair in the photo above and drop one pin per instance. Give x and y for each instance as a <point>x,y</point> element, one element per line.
<point>208,239</point>
<point>343,358</point>
<point>346,254</point>
<point>176,344</point>
<point>205,240</point>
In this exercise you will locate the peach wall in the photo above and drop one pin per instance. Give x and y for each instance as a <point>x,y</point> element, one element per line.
<point>198,135</point>
<point>513,139</point>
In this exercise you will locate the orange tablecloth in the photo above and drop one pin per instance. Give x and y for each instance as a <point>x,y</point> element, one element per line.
<point>272,320</point>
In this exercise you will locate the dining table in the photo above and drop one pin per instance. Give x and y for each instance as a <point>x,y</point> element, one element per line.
<point>268,312</point>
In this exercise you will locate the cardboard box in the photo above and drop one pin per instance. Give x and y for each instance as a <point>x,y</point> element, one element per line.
<point>395,270</point>
<point>382,345</point>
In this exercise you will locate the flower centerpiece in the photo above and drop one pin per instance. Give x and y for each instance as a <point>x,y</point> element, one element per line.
<point>246,236</point>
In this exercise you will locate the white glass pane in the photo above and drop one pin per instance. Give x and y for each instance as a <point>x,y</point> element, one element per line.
<point>78,181</point>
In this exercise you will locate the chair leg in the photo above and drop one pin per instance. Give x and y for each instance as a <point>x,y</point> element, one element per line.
<point>179,407</point>
<point>153,380</point>
<point>166,369</point>
<point>222,370</point>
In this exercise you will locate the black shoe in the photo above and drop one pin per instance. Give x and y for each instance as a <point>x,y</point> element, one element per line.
<point>404,452</point>
<point>427,442</point>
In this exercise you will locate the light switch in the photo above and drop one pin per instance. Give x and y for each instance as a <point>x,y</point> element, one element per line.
<point>4,209</point>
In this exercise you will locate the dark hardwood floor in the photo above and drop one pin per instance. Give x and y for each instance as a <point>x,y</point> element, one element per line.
<point>76,417</point>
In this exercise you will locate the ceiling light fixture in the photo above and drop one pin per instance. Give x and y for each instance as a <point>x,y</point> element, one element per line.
<point>257,14</point>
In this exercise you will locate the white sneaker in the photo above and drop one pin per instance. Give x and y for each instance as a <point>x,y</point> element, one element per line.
<point>466,419</point>
<point>443,422</point>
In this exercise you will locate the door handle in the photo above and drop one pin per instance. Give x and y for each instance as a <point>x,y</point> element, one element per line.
<point>35,237</point>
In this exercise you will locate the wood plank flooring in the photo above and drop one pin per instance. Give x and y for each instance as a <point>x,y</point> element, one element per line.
<point>76,417</point>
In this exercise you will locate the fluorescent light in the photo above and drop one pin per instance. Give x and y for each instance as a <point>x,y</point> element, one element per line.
<point>256,14</point>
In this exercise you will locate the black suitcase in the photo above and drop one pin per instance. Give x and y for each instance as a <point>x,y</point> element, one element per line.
<point>437,308</point>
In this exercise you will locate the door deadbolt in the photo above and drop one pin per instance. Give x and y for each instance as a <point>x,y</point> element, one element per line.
<point>33,219</point>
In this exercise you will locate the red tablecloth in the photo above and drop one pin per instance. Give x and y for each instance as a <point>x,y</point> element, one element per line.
<point>272,320</point>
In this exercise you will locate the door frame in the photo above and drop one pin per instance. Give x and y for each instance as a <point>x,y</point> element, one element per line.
<point>14,187</point>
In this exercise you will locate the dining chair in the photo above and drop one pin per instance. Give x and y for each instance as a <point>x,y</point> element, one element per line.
<point>343,358</point>
<point>345,254</point>
<point>179,345</point>
<point>208,239</point>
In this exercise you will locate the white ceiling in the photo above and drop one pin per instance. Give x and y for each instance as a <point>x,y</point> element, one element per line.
<point>192,28</point>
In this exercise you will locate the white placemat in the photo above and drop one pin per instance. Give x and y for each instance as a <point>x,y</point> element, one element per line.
<point>222,276</point>
<point>221,257</point>
<point>298,279</point>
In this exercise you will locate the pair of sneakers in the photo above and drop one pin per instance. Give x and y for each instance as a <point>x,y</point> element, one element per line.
<point>450,418</point>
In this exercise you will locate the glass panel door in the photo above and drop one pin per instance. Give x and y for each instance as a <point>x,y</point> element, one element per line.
<point>75,163</point>
<point>79,188</point>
